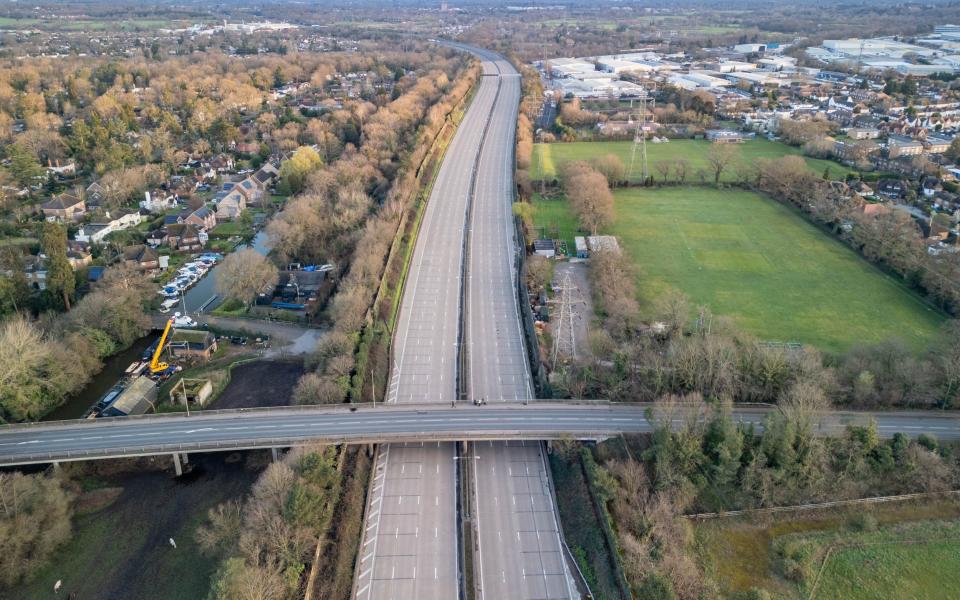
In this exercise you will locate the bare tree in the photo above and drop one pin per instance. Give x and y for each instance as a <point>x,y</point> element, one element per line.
<point>719,158</point>
<point>591,199</point>
<point>663,167</point>
<point>244,274</point>
<point>681,167</point>
<point>34,521</point>
<point>612,168</point>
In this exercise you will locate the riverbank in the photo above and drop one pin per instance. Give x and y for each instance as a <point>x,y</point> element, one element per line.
<point>117,553</point>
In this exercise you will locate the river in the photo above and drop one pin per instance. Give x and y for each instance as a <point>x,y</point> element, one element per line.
<point>205,289</point>
<point>115,365</point>
<point>113,368</point>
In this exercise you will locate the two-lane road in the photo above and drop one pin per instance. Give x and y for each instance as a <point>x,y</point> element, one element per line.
<point>290,426</point>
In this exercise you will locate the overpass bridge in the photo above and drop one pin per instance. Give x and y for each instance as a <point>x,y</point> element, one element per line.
<point>240,429</point>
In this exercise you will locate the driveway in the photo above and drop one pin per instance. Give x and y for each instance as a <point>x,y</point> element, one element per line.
<point>286,339</point>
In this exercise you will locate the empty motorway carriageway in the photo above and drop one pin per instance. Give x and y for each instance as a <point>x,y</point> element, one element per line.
<point>459,338</point>
<point>411,544</point>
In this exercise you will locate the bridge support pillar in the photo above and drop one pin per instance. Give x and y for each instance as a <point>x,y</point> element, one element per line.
<point>549,447</point>
<point>185,457</point>
<point>177,467</point>
<point>371,450</point>
<point>275,452</point>
<point>464,447</point>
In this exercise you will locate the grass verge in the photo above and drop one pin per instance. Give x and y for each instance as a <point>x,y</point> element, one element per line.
<point>581,527</point>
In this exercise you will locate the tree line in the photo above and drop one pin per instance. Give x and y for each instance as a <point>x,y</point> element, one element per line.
<point>48,358</point>
<point>350,212</point>
<point>709,462</point>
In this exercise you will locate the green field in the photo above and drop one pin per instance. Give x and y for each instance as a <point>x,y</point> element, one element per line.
<point>756,261</point>
<point>914,552</point>
<point>548,157</point>
<point>906,562</point>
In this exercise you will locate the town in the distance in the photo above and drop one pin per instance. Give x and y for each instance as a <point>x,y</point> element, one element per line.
<point>480,300</point>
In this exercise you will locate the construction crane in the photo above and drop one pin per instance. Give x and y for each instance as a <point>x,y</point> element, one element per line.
<point>155,365</point>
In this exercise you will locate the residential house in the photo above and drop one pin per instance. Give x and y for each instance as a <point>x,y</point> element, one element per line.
<point>203,218</point>
<point>142,257</point>
<point>235,200</point>
<point>222,163</point>
<point>299,286</point>
<point>184,237</point>
<point>936,144</point>
<point>930,186</point>
<point>78,259</point>
<point>94,233</point>
<point>265,175</point>
<point>66,170</point>
<point>890,188</point>
<point>94,195</point>
<point>64,208</point>
<point>863,133</point>
<point>156,237</point>
<point>898,145</point>
<point>158,201</point>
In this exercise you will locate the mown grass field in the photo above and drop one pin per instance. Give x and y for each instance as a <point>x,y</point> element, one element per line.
<point>758,262</point>
<point>914,553</point>
<point>547,158</point>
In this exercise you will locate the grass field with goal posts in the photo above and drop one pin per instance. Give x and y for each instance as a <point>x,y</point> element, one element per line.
<point>548,158</point>
<point>758,262</point>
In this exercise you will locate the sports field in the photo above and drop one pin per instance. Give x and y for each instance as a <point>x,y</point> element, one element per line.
<point>547,158</point>
<point>758,262</point>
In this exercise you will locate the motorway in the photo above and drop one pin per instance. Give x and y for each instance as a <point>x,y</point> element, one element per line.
<point>414,564</point>
<point>518,551</point>
<point>290,426</point>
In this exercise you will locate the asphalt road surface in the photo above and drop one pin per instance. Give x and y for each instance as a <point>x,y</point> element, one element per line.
<point>288,426</point>
<point>518,550</point>
<point>416,564</point>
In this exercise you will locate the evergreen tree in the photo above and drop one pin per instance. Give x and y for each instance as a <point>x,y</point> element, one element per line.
<point>60,279</point>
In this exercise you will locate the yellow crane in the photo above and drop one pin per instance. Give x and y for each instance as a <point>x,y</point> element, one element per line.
<point>155,365</point>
